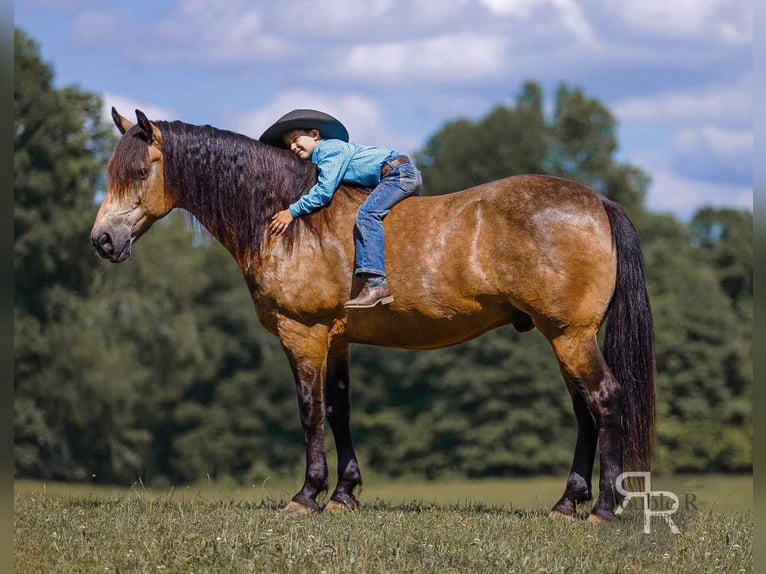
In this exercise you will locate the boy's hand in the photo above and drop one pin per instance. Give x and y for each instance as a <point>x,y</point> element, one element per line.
<point>280,221</point>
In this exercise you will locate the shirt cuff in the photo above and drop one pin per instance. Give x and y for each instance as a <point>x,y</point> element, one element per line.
<point>294,210</point>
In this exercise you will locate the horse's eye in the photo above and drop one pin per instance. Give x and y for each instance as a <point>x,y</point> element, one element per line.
<point>143,173</point>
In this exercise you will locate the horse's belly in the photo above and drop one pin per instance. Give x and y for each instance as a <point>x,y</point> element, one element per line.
<point>383,326</point>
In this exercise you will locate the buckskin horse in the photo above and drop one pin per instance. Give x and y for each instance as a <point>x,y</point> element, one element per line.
<point>531,250</point>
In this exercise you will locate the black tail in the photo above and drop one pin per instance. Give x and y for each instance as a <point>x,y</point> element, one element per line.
<point>629,345</point>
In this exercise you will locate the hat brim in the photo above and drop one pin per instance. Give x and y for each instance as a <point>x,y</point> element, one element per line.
<point>328,127</point>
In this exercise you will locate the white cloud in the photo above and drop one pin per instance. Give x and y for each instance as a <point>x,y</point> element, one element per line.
<point>723,142</point>
<point>727,21</point>
<point>575,20</point>
<point>441,59</point>
<point>729,103</point>
<point>339,18</point>
<point>568,14</point>
<point>519,8</point>
<point>714,153</point>
<point>93,26</point>
<point>671,193</point>
<point>50,5</point>
<point>215,31</point>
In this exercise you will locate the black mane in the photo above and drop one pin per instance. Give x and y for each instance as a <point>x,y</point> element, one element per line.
<point>232,182</point>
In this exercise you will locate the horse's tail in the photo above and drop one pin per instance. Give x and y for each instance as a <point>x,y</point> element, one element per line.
<point>629,344</point>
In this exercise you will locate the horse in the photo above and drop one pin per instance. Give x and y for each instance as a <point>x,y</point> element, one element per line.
<point>533,251</point>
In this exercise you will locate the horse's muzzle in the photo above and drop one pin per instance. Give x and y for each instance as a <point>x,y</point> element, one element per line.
<point>104,244</point>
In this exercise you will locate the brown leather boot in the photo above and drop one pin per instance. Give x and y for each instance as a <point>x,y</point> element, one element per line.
<point>370,296</point>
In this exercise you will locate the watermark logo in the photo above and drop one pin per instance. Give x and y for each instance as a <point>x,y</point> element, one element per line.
<point>659,503</point>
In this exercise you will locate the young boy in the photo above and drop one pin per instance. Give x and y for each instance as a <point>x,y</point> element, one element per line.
<point>323,140</point>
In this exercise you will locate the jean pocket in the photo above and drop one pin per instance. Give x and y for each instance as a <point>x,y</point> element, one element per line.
<point>410,179</point>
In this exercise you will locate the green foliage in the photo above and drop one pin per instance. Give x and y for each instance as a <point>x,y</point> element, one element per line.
<point>490,407</point>
<point>584,139</point>
<point>703,350</point>
<point>158,369</point>
<point>726,238</point>
<point>578,142</point>
<point>59,149</point>
<point>463,154</point>
<point>58,161</point>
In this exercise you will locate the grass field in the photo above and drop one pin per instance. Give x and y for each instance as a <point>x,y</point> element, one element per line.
<point>477,526</point>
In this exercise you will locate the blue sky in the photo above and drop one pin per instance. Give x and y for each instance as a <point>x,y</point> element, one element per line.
<point>677,74</point>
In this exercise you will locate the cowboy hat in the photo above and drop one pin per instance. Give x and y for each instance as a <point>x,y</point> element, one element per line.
<point>304,119</point>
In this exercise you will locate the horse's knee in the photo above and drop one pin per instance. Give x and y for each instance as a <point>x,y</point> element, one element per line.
<point>316,477</point>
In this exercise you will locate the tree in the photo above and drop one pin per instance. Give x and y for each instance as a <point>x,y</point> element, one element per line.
<point>509,140</point>
<point>578,142</point>
<point>704,386</point>
<point>726,238</point>
<point>59,146</point>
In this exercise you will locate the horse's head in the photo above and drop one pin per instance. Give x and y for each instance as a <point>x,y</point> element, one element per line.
<point>136,196</point>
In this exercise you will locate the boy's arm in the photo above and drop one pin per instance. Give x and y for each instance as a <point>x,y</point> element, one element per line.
<point>332,165</point>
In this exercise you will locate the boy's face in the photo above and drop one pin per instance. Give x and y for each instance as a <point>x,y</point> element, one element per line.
<point>302,142</point>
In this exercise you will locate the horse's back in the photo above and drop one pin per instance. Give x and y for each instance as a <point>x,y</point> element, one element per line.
<point>516,198</point>
<point>517,231</point>
<point>466,262</point>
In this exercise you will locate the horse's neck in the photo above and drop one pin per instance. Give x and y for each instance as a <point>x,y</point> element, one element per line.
<point>233,186</point>
<point>234,191</point>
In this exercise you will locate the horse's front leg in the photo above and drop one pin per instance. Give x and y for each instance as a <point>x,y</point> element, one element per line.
<point>306,349</point>
<point>339,416</point>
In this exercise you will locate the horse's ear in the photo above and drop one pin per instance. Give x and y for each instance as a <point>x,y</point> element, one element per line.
<point>123,124</point>
<point>149,128</point>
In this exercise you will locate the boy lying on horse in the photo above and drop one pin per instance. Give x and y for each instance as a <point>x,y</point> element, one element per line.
<point>320,138</point>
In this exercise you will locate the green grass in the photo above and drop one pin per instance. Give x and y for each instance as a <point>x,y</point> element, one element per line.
<point>476,526</point>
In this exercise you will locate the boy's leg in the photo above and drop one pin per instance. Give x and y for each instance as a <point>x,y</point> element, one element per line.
<point>369,237</point>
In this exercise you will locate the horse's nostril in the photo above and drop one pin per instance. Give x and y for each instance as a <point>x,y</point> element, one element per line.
<point>103,243</point>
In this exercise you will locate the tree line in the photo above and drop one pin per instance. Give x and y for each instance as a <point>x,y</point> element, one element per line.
<point>158,369</point>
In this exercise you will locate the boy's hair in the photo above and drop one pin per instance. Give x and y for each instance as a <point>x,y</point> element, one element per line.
<point>302,131</point>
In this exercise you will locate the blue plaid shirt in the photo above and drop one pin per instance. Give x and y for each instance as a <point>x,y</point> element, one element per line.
<point>340,162</point>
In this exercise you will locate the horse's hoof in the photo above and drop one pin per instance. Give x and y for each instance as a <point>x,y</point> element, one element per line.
<point>334,506</point>
<point>596,519</point>
<point>296,509</point>
<point>556,515</point>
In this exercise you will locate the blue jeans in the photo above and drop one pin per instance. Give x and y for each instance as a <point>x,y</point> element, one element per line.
<point>402,181</point>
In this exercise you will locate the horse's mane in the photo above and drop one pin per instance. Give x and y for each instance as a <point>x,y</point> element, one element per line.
<point>228,180</point>
<point>234,183</point>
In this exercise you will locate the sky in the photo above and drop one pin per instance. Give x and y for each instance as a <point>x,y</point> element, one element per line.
<point>676,74</point>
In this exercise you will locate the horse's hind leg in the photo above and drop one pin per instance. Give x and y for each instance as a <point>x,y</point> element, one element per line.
<point>578,489</point>
<point>586,370</point>
<point>338,403</point>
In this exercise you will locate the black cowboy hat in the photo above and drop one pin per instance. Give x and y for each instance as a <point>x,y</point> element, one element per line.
<point>328,126</point>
